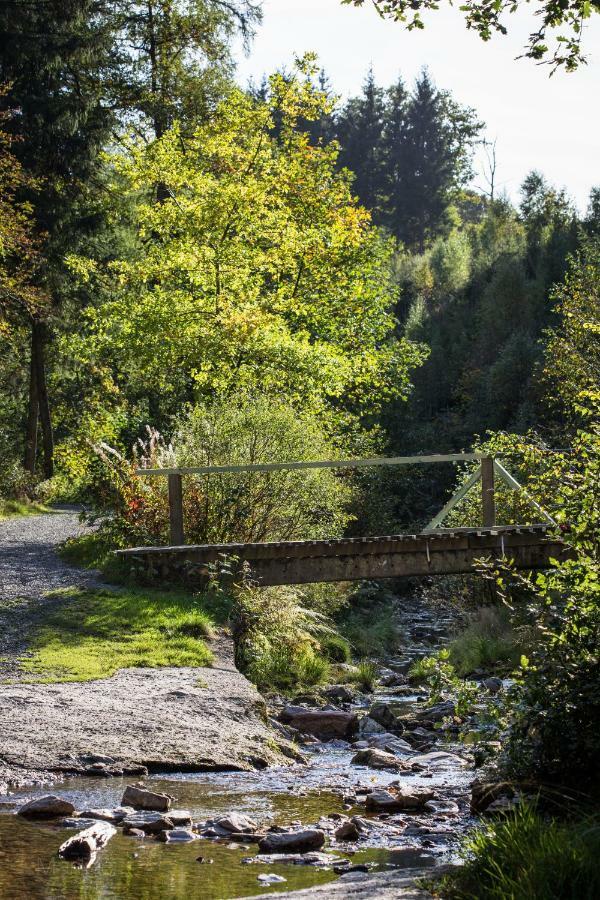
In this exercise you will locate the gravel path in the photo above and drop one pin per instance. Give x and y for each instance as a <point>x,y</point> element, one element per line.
<point>29,564</point>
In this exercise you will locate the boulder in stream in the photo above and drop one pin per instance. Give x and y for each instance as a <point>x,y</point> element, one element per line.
<point>292,841</point>
<point>48,807</point>
<point>324,724</point>
<point>85,844</point>
<point>140,798</point>
<point>115,815</point>
<point>388,716</point>
<point>347,831</point>
<point>177,836</point>
<point>148,822</point>
<point>398,799</point>
<point>236,823</point>
<point>377,759</point>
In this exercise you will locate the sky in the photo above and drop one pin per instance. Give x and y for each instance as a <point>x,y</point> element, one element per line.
<point>547,123</point>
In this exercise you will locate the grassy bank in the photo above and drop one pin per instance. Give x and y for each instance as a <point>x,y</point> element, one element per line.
<point>91,634</point>
<point>11,508</point>
<point>528,857</point>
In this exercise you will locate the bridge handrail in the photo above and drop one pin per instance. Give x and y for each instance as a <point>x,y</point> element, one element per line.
<point>488,467</point>
<point>317,464</point>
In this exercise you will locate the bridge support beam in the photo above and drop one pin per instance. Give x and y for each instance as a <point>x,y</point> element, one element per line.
<point>176,510</point>
<point>488,499</point>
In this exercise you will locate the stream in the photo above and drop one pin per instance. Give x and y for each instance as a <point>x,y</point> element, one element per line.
<point>329,785</point>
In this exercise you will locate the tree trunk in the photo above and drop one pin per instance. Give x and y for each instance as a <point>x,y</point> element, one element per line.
<point>32,415</point>
<point>38,339</point>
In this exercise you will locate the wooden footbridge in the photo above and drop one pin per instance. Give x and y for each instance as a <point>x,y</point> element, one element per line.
<point>433,551</point>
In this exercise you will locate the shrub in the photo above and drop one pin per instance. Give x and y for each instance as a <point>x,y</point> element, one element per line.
<point>277,638</point>
<point>526,857</point>
<point>336,648</point>
<point>555,735</point>
<point>244,507</point>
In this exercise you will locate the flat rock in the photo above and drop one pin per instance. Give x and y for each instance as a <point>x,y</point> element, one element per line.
<point>377,759</point>
<point>236,823</point>
<point>439,759</point>
<point>398,799</point>
<point>114,816</point>
<point>293,841</point>
<point>48,807</point>
<point>391,744</point>
<point>76,822</point>
<point>148,822</point>
<point>380,886</point>
<point>214,723</point>
<point>324,724</point>
<point>140,798</point>
<point>295,859</point>
<point>177,836</point>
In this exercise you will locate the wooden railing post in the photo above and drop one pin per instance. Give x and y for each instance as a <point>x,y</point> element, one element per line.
<point>488,500</point>
<point>176,510</point>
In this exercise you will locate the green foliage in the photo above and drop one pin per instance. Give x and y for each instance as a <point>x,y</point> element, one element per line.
<point>438,673</point>
<point>336,648</point>
<point>558,21</point>
<point>556,732</point>
<point>366,675</point>
<point>525,856</point>
<point>262,276</point>
<point>174,58</point>
<point>277,638</point>
<point>254,506</point>
<point>11,508</point>
<point>572,368</point>
<point>488,643</point>
<point>89,634</point>
<point>367,622</point>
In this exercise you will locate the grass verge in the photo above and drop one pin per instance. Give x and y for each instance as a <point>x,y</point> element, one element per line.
<point>526,857</point>
<point>9,509</point>
<point>91,634</point>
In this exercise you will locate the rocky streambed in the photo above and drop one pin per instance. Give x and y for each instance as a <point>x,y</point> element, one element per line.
<point>382,795</point>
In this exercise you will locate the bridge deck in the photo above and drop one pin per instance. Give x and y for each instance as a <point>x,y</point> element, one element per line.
<point>440,552</point>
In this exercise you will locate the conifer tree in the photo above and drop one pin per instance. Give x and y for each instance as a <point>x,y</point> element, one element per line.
<point>433,161</point>
<point>393,141</point>
<point>54,53</point>
<point>359,131</point>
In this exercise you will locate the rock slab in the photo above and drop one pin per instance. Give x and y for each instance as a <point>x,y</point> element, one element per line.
<point>293,841</point>
<point>48,807</point>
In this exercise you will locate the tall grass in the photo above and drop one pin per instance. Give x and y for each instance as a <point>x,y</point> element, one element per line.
<point>277,638</point>
<point>12,508</point>
<point>489,641</point>
<point>526,857</point>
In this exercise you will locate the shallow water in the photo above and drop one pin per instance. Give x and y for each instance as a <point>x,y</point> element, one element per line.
<point>148,870</point>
